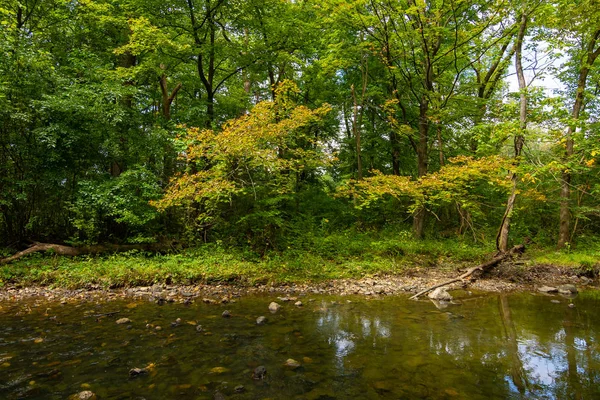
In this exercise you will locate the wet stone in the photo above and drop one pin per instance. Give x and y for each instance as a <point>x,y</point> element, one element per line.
<point>261,320</point>
<point>137,372</point>
<point>567,289</point>
<point>259,372</point>
<point>226,314</point>
<point>274,307</point>
<point>291,363</point>
<point>122,321</point>
<point>298,303</point>
<point>547,289</point>
<point>239,389</point>
<point>440,294</point>
<point>85,395</point>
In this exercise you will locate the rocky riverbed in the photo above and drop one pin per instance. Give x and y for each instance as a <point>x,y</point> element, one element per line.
<point>503,279</point>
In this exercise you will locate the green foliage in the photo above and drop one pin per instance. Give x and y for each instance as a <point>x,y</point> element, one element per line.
<point>123,201</point>
<point>132,120</point>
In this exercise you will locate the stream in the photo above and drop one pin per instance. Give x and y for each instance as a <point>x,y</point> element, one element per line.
<point>486,346</point>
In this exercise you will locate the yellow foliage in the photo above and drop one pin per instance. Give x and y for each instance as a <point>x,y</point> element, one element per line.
<point>452,183</point>
<point>260,150</point>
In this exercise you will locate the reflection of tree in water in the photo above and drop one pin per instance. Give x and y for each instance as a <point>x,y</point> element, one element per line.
<point>558,346</point>
<point>413,350</point>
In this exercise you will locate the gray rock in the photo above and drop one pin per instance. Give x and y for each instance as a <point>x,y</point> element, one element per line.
<point>298,304</point>
<point>239,389</point>
<point>226,314</point>
<point>547,289</point>
<point>274,307</point>
<point>219,396</point>
<point>440,294</point>
<point>85,395</point>
<point>379,289</point>
<point>584,280</point>
<point>567,289</point>
<point>199,328</point>
<point>261,320</point>
<point>122,321</point>
<point>259,372</point>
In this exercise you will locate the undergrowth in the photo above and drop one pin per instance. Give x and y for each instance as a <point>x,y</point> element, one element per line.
<point>342,255</point>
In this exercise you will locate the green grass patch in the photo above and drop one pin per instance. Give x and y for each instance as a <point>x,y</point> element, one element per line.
<point>341,255</point>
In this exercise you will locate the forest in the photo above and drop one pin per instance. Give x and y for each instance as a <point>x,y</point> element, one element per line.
<point>279,126</point>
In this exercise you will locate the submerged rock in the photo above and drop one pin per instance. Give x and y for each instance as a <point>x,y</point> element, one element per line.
<point>567,289</point>
<point>259,372</point>
<point>85,395</point>
<point>298,304</point>
<point>226,314</point>
<point>261,320</point>
<point>137,372</point>
<point>199,328</point>
<point>239,389</point>
<point>122,321</point>
<point>274,307</point>
<point>440,294</point>
<point>291,363</point>
<point>219,396</point>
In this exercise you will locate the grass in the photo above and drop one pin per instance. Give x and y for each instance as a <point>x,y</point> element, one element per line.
<point>343,255</point>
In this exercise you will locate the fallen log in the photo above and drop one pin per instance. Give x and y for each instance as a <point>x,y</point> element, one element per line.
<point>70,251</point>
<point>519,249</point>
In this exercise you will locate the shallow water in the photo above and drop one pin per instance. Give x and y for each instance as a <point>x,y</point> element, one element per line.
<point>490,346</point>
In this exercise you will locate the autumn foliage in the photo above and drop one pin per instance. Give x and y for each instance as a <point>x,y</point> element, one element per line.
<point>263,153</point>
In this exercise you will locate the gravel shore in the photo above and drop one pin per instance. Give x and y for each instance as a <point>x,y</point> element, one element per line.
<point>503,279</point>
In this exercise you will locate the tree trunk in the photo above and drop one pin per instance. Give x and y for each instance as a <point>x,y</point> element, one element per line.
<point>422,161</point>
<point>356,132</point>
<point>564,231</point>
<point>69,251</point>
<point>503,233</point>
<point>486,266</point>
<point>167,99</point>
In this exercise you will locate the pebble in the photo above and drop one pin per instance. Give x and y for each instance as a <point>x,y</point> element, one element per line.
<point>122,321</point>
<point>261,320</point>
<point>137,372</point>
<point>199,328</point>
<point>226,314</point>
<point>85,395</point>
<point>259,372</point>
<point>239,389</point>
<point>291,363</point>
<point>298,304</point>
<point>274,307</point>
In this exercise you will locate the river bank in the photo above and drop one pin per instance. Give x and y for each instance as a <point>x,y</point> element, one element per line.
<point>506,278</point>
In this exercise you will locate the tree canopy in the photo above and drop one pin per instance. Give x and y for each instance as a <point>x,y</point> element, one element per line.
<point>253,122</point>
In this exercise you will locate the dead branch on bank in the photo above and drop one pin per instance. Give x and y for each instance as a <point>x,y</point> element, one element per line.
<point>519,249</point>
<point>70,251</point>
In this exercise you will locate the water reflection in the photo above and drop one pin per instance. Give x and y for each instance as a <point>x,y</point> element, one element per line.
<point>517,346</point>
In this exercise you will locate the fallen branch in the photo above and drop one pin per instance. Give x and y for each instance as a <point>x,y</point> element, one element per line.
<point>70,251</point>
<point>519,249</point>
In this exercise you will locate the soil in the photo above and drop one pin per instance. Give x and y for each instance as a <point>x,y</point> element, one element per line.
<point>505,278</point>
